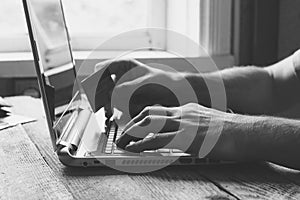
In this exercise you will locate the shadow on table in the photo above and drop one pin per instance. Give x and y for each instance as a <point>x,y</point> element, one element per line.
<point>106,171</point>
<point>250,172</point>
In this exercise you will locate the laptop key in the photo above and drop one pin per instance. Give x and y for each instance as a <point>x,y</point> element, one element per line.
<point>108,150</point>
<point>117,150</point>
<point>109,144</point>
<point>115,131</point>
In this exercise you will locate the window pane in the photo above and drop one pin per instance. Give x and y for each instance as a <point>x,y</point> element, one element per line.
<point>105,17</point>
<point>12,18</point>
<point>90,22</point>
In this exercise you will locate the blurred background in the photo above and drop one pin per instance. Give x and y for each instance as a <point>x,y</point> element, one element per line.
<point>233,32</point>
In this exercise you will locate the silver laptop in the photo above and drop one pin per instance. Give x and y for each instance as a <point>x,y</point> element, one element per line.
<point>79,136</point>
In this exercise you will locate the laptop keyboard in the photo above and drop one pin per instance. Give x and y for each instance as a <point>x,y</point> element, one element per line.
<point>115,133</point>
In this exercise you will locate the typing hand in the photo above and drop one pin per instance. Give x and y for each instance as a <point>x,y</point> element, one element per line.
<point>183,128</point>
<point>139,85</point>
<point>296,60</point>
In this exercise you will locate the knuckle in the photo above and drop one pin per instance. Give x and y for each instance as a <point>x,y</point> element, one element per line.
<point>146,110</point>
<point>155,138</point>
<point>127,62</point>
<point>147,118</point>
<point>130,60</point>
<point>103,64</point>
<point>146,121</point>
<point>119,62</point>
<point>170,112</point>
<point>191,105</point>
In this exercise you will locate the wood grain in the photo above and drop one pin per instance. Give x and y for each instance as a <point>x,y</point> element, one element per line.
<point>23,172</point>
<point>252,181</point>
<point>83,184</point>
<point>292,175</point>
<point>110,184</point>
<point>235,181</point>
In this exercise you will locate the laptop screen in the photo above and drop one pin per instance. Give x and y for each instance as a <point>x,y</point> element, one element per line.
<point>54,61</point>
<point>51,35</point>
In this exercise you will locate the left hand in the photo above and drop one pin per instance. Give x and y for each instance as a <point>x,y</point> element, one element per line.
<point>149,85</point>
<point>183,128</point>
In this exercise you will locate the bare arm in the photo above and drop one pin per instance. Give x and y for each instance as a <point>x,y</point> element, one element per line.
<point>286,84</point>
<point>253,90</point>
<point>261,139</point>
<point>242,138</point>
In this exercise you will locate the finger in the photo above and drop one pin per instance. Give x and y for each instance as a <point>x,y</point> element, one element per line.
<point>152,111</point>
<point>149,111</point>
<point>158,141</point>
<point>150,124</point>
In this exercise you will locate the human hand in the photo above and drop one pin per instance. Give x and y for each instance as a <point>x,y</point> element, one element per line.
<point>184,128</point>
<point>296,60</point>
<point>142,85</point>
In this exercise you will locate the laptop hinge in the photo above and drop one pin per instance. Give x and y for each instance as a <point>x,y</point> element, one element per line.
<point>72,135</point>
<point>50,93</point>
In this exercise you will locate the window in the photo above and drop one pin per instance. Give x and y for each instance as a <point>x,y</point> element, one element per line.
<point>13,34</point>
<point>92,22</point>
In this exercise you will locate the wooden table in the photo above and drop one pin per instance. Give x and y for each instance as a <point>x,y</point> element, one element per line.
<point>29,169</point>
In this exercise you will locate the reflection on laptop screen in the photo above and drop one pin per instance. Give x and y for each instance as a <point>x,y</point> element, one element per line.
<point>56,61</point>
<point>51,32</point>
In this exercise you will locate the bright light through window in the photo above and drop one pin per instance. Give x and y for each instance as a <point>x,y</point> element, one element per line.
<point>12,18</point>
<point>92,22</point>
<point>105,17</point>
<point>89,21</point>
<point>84,17</point>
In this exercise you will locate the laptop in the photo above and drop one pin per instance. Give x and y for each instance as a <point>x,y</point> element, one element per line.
<point>80,136</point>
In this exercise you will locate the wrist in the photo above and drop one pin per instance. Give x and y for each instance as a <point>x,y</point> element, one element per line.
<point>250,144</point>
<point>238,140</point>
<point>227,146</point>
<point>199,86</point>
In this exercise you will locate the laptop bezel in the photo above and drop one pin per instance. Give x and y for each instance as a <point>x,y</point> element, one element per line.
<point>37,62</point>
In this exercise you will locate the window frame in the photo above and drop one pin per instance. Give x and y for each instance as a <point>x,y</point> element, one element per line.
<point>213,19</point>
<point>156,19</point>
<point>213,16</point>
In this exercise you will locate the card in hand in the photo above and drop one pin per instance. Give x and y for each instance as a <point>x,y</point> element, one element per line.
<point>98,88</point>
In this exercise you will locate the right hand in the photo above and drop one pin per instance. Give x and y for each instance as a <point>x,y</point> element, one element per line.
<point>185,127</point>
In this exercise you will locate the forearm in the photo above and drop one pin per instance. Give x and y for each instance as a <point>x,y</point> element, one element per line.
<point>248,89</point>
<point>264,139</point>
